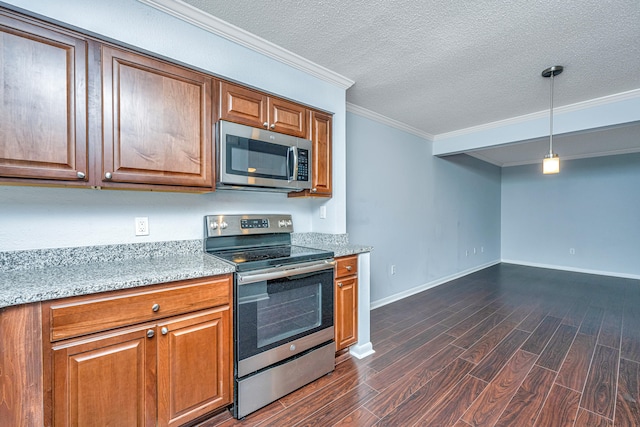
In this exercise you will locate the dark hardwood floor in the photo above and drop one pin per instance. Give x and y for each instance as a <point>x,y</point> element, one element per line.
<point>506,346</point>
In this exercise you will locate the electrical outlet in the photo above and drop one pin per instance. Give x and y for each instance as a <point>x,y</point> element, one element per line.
<point>474,251</point>
<point>481,249</point>
<point>572,251</point>
<point>466,253</point>
<point>392,269</point>
<point>323,212</point>
<point>142,226</point>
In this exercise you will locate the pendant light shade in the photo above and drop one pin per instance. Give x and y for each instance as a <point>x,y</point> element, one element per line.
<point>551,162</point>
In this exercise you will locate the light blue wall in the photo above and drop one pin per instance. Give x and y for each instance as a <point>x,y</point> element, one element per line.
<point>44,217</point>
<point>593,206</point>
<point>420,212</point>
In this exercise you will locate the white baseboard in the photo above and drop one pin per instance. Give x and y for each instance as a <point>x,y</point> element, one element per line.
<point>429,285</point>
<point>361,351</point>
<point>573,269</point>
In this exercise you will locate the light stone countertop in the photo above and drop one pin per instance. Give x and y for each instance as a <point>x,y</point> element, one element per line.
<point>46,274</point>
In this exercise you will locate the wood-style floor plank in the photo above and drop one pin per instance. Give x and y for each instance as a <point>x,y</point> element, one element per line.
<point>422,400</point>
<point>358,418</point>
<point>398,369</point>
<point>411,381</point>
<point>599,394</point>
<point>471,336</point>
<point>592,320</point>
<point>528,400</point>
<point>631,334</point>
<point>339,408</point>
<point>628,398</point>
<point>484,345</point>
<point>505,346</point>
<point>449,409</point>
<point>589,419</point>
<point>493,363</point>
<point>486,409</point>
<point>541,335</point>
<point>560,409</point>
<point>558,346</point>
<point>575,368</point>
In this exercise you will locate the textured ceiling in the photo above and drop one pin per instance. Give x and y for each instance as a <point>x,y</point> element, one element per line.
<point>441,66</point>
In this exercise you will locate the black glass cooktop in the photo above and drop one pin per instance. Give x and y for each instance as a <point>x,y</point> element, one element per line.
<point>270,256</point>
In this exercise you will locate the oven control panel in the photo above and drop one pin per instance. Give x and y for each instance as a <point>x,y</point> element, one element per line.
<point>236,225</point>
<point>254,223</point>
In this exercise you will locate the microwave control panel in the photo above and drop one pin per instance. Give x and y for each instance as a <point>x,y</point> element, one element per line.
<point>303,164</point>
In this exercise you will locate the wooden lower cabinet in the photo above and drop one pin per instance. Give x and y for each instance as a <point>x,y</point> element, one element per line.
<point>166,372</point>
<point>107,380</point>
<point>346,302</point>
<point>194,366</point>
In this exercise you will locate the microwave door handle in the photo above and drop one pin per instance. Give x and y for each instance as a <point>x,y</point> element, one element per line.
<point>295,163</point>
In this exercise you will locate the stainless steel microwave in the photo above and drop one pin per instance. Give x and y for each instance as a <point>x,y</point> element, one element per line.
<point>250,158</point>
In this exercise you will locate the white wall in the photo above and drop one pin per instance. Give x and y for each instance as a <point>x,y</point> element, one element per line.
<point>43,217</point>
<point>592,206</point>
<point>420,212</point>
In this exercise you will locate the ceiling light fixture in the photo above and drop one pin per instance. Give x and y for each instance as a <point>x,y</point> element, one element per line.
<point>551,162</point>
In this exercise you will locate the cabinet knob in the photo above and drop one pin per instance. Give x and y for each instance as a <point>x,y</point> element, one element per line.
<point>348,267</point>
<point>108,175</point>
<point>80,175</point>
<point>314,190</point>
<point>339,284</point>
<point>155,307</point>
<point>164,330</point>
<point>265,124</point>
<point>150,333</point>
<point>273,126</point>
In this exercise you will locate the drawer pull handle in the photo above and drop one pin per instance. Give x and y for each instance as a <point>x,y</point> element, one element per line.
<point>80,175</point>
<point>150,333</point>
<point>155,308</point>
<point>348,267</point>
<point>339,284</point>
<point>164,330</point>
<point>108,175</point>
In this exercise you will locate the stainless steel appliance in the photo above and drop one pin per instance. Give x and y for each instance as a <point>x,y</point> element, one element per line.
<point>283,306</point>
<point>257,159</point>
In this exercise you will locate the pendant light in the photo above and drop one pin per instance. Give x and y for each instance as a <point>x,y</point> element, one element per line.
<point>551,162</point>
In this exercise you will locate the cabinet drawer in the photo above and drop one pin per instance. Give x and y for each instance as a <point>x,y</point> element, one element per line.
<point>83,315</point>
<point>346,266</point>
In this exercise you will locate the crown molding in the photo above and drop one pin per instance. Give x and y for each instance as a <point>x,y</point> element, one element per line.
<point>217,26</point>
<point>361,111</point>
<point>591,103</point>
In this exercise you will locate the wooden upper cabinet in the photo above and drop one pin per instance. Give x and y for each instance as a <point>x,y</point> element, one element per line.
<point>252,108</point>
<point>157,122</point>
<point>242,105</point>
<point>287,117</point>
<point>43,98</point>
<point>321,178</point>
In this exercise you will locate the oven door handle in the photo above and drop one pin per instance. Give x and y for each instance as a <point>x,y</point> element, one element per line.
<point>284,271</point>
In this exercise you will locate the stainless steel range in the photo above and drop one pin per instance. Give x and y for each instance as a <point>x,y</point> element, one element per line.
<point>283,306</point>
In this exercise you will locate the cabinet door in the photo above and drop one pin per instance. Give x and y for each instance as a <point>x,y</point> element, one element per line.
<point>243,105</point>
<point>287,117</point>
<point>157,122</point>
<point>106,380</point>
<point>194,365</point>
<point>346,317</point>
<point>321,177</point>
<point>43,94</point>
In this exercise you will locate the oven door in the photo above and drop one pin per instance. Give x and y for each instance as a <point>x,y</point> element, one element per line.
<point>281,312</point>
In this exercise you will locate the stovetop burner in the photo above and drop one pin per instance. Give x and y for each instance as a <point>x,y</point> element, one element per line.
<point>252,242</point>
